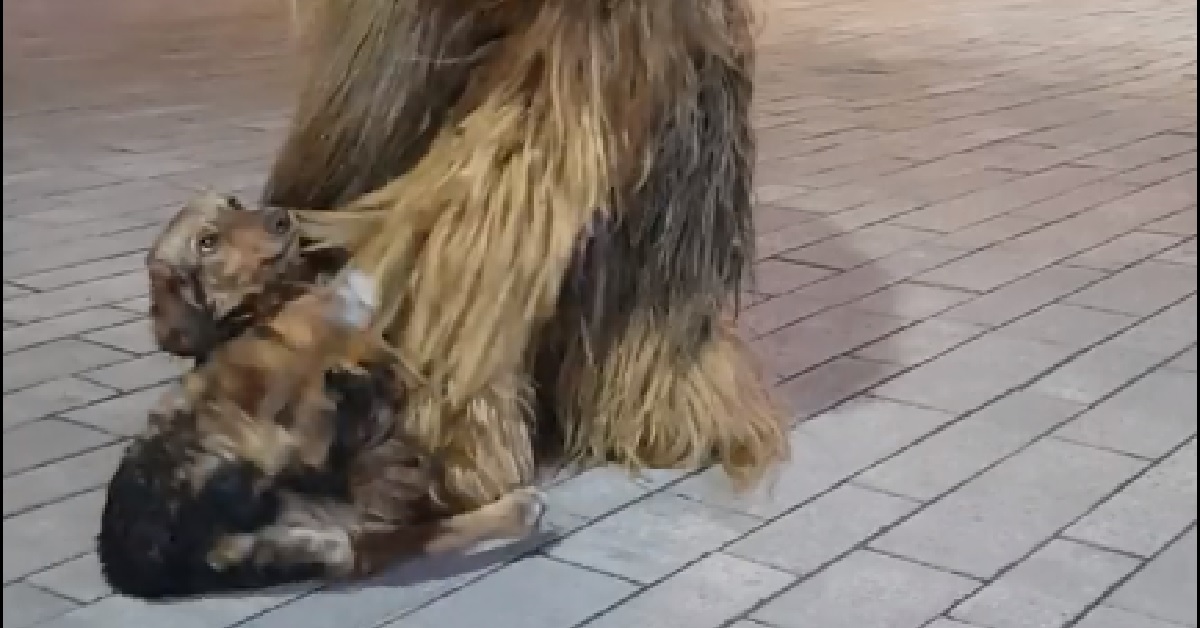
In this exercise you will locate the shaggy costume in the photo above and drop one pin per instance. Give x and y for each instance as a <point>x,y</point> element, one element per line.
<point>554,197</point>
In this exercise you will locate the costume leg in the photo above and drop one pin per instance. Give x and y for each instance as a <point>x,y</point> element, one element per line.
<point>638,108</point>
<point>469,248</point>
<point>649,402</point>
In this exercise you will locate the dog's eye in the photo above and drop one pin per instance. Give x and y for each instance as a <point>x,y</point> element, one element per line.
<point>206,243</point>
<point>279,224</point>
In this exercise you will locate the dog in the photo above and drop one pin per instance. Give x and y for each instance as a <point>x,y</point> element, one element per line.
<point>281,456</point>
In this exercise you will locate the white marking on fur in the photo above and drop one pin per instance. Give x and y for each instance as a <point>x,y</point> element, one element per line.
<point>356,298</point>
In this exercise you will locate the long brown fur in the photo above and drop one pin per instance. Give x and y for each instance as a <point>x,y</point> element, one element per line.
<point>467,146</point>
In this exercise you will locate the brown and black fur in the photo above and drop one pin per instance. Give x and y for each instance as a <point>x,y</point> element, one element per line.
<point>280,456</point>
<point>466,147</point>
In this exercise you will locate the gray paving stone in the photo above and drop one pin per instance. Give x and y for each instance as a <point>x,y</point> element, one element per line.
<point>45,484</point>
<point>1180,224</point>
<point>1096,373</point>
<point>1165,333</point>
<point>124,416</point>
<point>46,236</point>
<point>987,269</point>
<point>578,594</point>
<point>63,327</point>
<point>832,383</point>
<point>1125,250</point>
<point>804,540</point>
<point>1149,418</point>
<point>982,369</point>
<point>825,450</point>
<point>1024,295</point>
<point>1166,587</point>
<point>998,517</point>
<point>138,373</point>
<point>596,492</point>
<point>1185,362</point>
<point>76,297</point>
<point>774,277</point>
<point>52,279</point>
<point>99,203</point>
<point>56,179</point>
<point>12,292</point>
<point>867,590</point>
<point>34,444</point>
<point>942,622</point>
<point>1069,325</point>
<point>913,300</point>
<point>823,337</point>
<point>53,360</point>
<point>1148,513</point>
<point>34,261</point>
<point>118,611</point>
<point>1048,589</point>
<point>392,594</point>
<point>51,534</point>
<point>1108,617</point>
<point>140,305</point>
<point>1184,254</point>
<point>855,248</point>
<point>401,590</point>
<point>842,288</point>
<point>1140,289</point>
<point>921,342</point>
<point>26,606</point>
<point>95,269</point>
<point>704,595</point>
<point>652,538</point>
<point>50,397</point>
<point>134,337</point>
<point>934,465</point>
<point>78,579</point>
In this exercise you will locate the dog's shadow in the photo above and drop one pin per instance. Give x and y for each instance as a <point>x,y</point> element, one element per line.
<point>406,586</point>
<point>426,569</point>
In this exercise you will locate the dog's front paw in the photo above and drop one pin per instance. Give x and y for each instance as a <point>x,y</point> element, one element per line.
<point>523,511</point>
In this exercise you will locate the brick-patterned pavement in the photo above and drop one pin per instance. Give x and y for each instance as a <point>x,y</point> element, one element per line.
<point>977,284</point>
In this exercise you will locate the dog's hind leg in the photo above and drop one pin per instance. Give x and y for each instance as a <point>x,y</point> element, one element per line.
<point>342,543</point>
<point>514,516</point>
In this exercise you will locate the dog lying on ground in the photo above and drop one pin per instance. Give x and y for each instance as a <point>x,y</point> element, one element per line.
<point>280,457</point>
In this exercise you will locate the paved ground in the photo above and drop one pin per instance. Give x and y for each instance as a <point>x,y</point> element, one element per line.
<point>978,286</point>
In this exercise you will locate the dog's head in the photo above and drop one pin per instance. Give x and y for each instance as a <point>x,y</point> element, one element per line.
<point>212,265</point>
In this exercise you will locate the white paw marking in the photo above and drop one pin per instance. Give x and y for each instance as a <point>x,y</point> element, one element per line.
<point>356,298</point>
<point>535,507</point>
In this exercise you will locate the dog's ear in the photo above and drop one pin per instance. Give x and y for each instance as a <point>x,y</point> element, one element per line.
<point>180,326</point>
